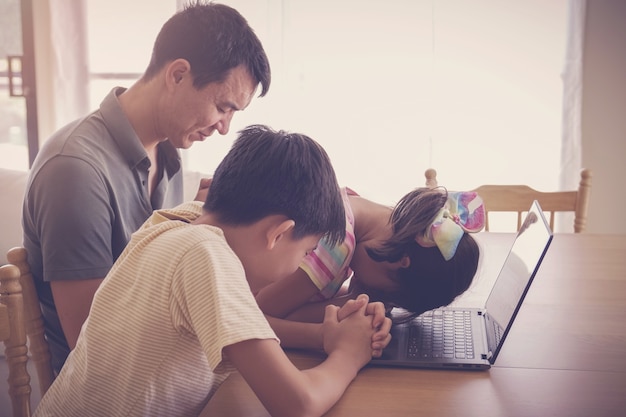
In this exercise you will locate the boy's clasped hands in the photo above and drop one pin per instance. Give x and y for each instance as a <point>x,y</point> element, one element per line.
<point>358,328</point>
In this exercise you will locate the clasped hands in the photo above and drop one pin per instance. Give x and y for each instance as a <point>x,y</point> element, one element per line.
<point>360,318</point>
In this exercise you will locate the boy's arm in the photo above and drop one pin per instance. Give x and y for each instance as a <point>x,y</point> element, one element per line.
<point>286,391</point>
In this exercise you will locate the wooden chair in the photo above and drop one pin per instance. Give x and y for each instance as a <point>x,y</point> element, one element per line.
<point>27,324</point>
<point>518,198</point>
<point>13,334</point>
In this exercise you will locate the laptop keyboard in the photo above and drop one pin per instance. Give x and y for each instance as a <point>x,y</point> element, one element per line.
<point>441,334</point>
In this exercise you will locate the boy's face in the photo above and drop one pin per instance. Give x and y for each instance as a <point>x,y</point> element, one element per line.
<point>280,262</point>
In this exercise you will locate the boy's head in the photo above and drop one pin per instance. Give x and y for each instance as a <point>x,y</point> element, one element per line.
<point>214,39</point>
<point>269,173</point>
<point>278,194</point>
<point>430,280</point>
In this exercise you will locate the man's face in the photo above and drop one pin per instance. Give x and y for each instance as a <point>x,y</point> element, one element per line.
<point>195,114</point>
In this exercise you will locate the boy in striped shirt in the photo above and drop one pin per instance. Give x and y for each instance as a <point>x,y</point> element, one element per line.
<point>176,314</point>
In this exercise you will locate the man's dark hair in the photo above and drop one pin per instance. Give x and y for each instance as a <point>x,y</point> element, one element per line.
<point>214,39</point>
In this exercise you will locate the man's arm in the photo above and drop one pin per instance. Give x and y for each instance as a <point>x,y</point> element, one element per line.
<point>72,299</point>
<point>71,214</point>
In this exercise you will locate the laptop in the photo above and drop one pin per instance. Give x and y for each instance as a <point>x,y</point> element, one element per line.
<point>473,337</point>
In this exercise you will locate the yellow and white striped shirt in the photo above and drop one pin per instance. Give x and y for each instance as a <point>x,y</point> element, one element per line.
<point>152,345</point>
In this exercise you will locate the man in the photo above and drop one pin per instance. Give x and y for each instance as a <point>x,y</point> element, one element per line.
<point>98,179</point>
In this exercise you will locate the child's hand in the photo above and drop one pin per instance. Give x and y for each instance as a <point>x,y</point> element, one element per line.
<point>352,306</point>
<point>203,189</point>
<point>350,337</point>
<point>380,322</point>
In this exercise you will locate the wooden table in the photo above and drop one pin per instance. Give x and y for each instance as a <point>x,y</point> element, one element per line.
<point>565,355</point>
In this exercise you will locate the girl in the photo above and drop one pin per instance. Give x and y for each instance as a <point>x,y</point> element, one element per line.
<point>417,256</point>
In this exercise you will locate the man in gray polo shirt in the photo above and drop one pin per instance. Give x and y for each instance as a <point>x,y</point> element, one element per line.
<point>99,178</point>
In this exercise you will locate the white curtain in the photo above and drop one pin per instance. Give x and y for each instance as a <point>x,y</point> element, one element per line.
<point>68,65</point>
<point>571,143</point>
<point>571,154</point>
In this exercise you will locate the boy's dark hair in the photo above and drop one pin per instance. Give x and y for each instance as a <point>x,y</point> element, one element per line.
<point>430,281</point>
<point>268,172</point>
<point>214,39</point>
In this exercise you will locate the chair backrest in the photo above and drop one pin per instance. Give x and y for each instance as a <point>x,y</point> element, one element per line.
<point>31,323</point>
<point>518,198</point>
<point>13,335</point>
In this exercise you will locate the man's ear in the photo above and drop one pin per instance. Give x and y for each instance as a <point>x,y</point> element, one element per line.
<point>277,231</point>
<point>176,71</point>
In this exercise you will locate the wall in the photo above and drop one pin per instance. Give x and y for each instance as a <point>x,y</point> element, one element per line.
<point>604,113</point>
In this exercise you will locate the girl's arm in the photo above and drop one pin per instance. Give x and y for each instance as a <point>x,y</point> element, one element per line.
<point>298,335</point>
<point>282,297</point>
<point>286,391</point>
<point>304,329</point>
<point>313,312</point>
<point>297,322</point>
<point>279,299</point>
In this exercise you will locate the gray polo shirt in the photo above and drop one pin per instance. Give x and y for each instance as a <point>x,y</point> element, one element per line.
<point>86,194</point>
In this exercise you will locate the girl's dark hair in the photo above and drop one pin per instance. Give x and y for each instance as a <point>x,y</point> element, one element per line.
<point>276,172</point>
<point>430,281</point>
<point>214,39</point>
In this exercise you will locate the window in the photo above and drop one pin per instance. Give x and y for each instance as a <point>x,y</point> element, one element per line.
<point>470,88</point>
<point>120,37</point>
<point>17,107</point>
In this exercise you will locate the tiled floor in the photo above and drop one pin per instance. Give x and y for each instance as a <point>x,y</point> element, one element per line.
<point>5,401</point>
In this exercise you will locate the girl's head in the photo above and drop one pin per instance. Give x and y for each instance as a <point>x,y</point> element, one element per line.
<point>427,280</point>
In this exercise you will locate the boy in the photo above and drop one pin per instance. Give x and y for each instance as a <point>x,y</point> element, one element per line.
<point>176,313</point>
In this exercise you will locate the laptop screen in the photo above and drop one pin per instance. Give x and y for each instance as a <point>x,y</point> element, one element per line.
<point>519,268</point>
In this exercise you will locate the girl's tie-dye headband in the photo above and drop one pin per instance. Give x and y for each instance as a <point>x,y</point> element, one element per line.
<point>463,212</point>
